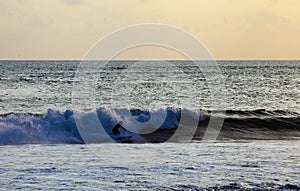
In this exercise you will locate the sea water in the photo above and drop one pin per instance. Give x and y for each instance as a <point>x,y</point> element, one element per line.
<point>37,115</point>
<point>35,86</point>
<point>223,165</point>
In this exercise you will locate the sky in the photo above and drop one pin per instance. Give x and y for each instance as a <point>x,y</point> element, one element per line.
<point>230,29</point>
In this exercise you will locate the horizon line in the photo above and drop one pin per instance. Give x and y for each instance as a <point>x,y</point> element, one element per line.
<point>149,59</point>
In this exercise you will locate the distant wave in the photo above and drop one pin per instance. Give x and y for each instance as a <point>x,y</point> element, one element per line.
<point>241,186</point>
<point>55,127</point>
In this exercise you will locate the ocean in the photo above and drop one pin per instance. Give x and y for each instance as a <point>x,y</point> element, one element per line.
<point>149,125</point>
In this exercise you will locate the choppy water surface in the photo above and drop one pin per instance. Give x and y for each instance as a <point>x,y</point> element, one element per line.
<point>37,119</point>
<point>259,164</point>
<point>35,86</point>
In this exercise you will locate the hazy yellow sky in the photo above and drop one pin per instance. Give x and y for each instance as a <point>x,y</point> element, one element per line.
<point>230,29</point>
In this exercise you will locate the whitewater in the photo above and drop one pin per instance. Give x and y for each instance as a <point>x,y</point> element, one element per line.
<point>44,144</point>
<point>55,127</point>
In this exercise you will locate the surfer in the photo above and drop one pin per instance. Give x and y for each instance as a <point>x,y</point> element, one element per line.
<point>116,128</point>
<point>124,138</point>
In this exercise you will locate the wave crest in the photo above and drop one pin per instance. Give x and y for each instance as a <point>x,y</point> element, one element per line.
<point>55,127</point>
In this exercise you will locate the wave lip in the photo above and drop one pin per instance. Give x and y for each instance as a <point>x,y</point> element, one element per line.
<point>55,127</point>
<point>26,128</point>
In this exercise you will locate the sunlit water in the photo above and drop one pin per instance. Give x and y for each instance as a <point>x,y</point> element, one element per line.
<point>36,86</point>
<point>259,164</point>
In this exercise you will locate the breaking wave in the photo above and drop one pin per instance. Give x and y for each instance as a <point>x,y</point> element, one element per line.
<point>55,127</point>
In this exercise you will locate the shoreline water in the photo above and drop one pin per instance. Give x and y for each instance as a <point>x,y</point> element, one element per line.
<point>240,165</point>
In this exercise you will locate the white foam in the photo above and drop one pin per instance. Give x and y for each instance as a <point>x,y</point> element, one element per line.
<point>56,127</point>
